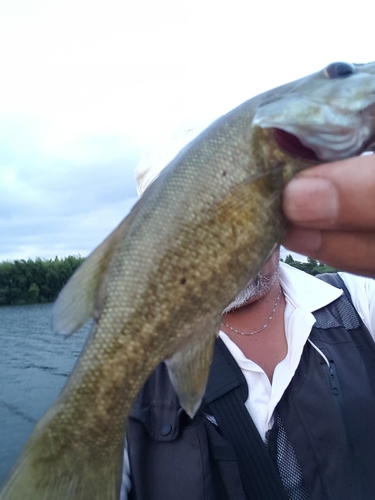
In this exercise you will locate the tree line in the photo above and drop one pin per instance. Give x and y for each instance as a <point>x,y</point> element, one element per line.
<point>312,266</point>
<point>30,282</point>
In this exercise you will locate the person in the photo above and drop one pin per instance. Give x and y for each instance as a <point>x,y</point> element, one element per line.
<point>305,354</point>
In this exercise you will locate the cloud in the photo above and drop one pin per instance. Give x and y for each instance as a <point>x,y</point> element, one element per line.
<point>48,236</point>
<point>85,88</point>
<point>65,200</point>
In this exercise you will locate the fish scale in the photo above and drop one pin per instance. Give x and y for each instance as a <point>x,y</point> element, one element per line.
<point>157,286</point>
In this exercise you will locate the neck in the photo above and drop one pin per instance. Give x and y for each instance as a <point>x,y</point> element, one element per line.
<point>268,347</point>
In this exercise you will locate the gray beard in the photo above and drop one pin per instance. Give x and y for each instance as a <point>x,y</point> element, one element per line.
<point>254,290</point>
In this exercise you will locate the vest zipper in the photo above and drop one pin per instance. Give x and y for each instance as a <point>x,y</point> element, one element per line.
<point>335,386</point>
<point>339,397</point>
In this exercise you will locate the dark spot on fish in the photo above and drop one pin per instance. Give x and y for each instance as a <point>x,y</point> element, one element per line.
<point>224,173</point>
<point>183,280</point>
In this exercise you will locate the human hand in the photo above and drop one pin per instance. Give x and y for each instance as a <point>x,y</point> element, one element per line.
<point>332,210</point>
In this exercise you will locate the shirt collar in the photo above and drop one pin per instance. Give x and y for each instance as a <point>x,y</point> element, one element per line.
<point>304,291</point>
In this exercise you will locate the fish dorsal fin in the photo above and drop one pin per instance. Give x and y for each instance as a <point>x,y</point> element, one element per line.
<point>76,301</point>
<point>189,367</point>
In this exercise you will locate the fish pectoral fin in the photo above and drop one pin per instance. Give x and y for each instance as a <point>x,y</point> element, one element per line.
<point>76,301</point>
<point>188,370</point>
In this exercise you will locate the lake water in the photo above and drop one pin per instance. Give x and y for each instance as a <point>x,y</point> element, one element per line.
<point>34,366</point>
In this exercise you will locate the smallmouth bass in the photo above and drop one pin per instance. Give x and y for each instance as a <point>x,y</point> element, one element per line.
<point>156,287</point>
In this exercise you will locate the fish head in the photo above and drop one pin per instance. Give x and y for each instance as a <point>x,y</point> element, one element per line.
<point>327,116</point>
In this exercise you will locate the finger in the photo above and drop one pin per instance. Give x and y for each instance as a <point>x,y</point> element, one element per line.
<point>348,251</point>
<point>339,195</point>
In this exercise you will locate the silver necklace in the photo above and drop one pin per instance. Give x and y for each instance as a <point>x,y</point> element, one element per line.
<point>264,326</point>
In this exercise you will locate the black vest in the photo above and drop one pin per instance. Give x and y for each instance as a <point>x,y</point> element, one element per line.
<point>328,413</point>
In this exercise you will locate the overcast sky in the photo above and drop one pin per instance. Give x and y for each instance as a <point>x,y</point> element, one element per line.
<point>86,87</point>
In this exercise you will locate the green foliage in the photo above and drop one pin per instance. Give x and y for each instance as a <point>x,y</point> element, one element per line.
<point>29,282</point>
<point>289,260</point>
<point>312,266</point>
<point>33,293</point>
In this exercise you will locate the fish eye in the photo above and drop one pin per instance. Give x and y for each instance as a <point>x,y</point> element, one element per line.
<point>340,70</point>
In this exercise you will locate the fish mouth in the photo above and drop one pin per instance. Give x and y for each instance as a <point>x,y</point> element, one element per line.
<point>320,132</point>
<point>291,144</point>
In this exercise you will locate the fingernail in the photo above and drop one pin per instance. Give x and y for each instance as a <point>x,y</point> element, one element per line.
<point>310,199</point>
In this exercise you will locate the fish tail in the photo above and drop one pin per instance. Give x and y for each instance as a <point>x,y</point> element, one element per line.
<point>87,480</point>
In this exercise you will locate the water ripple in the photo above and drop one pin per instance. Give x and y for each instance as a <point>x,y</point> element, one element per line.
<point>34,365</point>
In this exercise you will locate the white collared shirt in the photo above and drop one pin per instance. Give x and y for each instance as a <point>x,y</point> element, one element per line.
<point>303,294</point>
